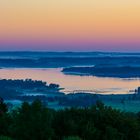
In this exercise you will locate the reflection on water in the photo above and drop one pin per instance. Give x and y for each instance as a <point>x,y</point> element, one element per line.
<point>73,82</point>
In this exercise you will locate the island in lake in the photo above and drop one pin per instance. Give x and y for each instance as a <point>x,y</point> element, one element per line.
<point>105,71</point>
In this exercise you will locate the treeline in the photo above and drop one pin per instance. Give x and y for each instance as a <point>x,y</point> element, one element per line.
<point>27,83</point>
<point>65,60</point>
<point>106,71</point>
<point>36,122</point>
<point>11,89</point>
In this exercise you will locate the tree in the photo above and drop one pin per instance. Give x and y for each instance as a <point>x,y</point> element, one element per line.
<point>112,134</point>
<point>33,122</point>
<point>4,118</point>
<point>72,138</point>
<point>5,138</point>
<point>53,86</point>
<point>3,107</point>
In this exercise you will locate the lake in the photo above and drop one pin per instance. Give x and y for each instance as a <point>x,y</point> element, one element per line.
<point>73,83</point>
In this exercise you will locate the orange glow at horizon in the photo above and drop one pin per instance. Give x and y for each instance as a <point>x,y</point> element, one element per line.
<point>70,21</point>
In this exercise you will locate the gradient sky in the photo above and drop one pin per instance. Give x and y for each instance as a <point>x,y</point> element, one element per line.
<point>70,25</point>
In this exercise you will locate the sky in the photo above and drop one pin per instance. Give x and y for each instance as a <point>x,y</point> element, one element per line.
<point>70,25</point>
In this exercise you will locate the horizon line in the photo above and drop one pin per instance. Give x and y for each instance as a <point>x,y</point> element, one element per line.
<point>45,51</point>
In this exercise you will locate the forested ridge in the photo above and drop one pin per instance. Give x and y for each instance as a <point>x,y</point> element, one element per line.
<point>36,122</point>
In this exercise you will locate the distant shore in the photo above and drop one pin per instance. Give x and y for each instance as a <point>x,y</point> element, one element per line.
<point>105,71</point>
<point>66,59</point>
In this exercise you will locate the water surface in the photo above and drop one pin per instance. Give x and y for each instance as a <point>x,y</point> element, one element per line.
<point>74,83</point>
